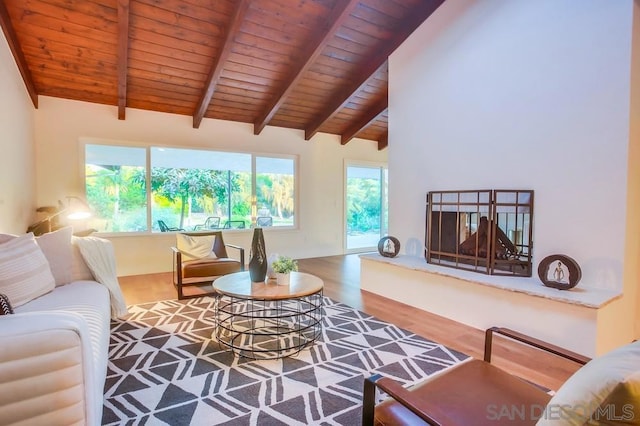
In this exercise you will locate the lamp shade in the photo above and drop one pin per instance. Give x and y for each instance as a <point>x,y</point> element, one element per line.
<point>78,209</point>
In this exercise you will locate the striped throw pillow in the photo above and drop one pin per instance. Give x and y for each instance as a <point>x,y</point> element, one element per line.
<point>5,305</point>
<point>24,270</point>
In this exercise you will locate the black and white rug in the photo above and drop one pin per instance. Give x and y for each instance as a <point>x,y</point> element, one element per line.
<point>164,369</point>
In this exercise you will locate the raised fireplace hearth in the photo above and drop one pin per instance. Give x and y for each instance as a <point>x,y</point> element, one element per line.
<point>486,231</point>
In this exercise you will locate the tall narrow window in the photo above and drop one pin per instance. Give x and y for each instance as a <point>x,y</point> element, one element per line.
<point>115,188</point>
<point>366,206</point>
<point>275,191</point>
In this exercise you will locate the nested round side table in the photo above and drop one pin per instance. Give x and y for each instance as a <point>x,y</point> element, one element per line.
<point>266,320</point>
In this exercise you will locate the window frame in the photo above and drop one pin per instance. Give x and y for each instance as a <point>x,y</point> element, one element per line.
<point>383,168</point>
<point>149,194</point>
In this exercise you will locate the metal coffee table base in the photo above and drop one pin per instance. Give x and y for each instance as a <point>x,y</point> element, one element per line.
<point>268,329</point>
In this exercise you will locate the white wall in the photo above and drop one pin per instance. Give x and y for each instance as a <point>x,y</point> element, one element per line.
<point>17,179</point>
<point>521,95</point>
<point>632,271</point>
<point>61,123</point>
<point>526,95</point>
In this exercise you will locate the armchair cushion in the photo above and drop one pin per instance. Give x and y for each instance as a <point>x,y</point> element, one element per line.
<point>196,246</point>
<point>206,268</point>
<point>608,386</point>
<point>24,270</point>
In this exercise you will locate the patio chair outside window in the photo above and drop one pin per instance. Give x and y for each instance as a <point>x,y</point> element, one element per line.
<point>165,228</point>
<point>234,224</point>
<point>264,221</point>
<point>212,222</point>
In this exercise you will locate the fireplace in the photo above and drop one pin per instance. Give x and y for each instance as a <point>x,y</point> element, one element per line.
<point>486,231</point>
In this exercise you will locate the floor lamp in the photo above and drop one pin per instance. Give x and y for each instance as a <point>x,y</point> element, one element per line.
<point>74,209</point>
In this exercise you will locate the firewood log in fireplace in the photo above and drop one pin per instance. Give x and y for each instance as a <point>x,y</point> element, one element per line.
<point>503,246</point>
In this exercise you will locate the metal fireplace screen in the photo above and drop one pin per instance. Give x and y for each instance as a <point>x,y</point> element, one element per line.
<point>487,231</point>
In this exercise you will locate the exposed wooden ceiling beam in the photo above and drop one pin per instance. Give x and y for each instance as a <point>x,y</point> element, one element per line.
<point>18,54</point>
<point>371,114</point>
<point>123,55</point>
<point>383,142</point>
<point>342,98</point>
<point>336,19</point>
<point>345,93</point>
<point>212,80</point>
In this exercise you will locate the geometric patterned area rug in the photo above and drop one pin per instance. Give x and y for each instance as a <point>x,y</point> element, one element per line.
<point>164,369</point>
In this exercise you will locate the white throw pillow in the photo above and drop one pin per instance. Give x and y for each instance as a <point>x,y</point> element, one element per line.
<point>196,246</point>
<point>607,388</point>
<point>24,270</point>
<point>79,269</point>
<point>56,247</point>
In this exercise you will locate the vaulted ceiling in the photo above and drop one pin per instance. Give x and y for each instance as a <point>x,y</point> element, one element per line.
<point>314,65</point>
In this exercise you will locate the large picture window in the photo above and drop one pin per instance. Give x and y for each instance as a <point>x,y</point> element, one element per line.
<point>170,189</point>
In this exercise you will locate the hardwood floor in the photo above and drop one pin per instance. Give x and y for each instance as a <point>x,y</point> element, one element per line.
<point>341,275</point>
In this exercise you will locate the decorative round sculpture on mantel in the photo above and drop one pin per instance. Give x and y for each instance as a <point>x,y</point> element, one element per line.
<point>559,271</point>
<point>389,246</point>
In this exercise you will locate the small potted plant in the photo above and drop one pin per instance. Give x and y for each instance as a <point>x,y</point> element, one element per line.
<point>283,266</point>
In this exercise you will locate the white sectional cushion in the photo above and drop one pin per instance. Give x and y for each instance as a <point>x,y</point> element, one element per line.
<point>49,369</point>
<point>24,270</point>
<point>53,391</point>
<point>55,347</point>
<point>89,299</point>
<point>56,247</point>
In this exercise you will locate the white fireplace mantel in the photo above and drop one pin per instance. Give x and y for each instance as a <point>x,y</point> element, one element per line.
<point>574,319</point>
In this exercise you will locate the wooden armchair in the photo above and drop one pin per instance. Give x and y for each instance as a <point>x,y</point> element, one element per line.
<point>200,271</point>
<point>473,393</point>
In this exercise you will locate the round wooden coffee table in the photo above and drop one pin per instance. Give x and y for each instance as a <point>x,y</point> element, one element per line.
<point>266,320</point>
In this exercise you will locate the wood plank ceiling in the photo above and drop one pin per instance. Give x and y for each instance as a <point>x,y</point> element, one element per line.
<point>314,65</point>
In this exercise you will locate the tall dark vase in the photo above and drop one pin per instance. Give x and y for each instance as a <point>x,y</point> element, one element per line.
<point>258,261</point>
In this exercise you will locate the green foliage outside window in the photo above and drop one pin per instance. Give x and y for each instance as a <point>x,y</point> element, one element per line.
<point>118,202</point>
<point>181,197</point>
<point>180,189</point>
<point>275,192</point>
<point>363,205</point>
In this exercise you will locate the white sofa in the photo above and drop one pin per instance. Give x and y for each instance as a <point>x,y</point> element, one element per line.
<point>54,347</point>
